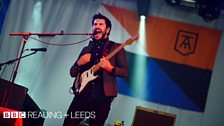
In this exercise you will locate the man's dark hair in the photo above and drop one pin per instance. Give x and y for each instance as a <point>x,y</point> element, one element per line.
<point>107,21</point>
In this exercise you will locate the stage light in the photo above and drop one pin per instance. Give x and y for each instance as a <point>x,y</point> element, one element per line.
<point>143,7</point>
<point>186,3</point>
<point>139,75</point>
<point>209,10</point>
<point>173,2</point>
<point>142,17</point>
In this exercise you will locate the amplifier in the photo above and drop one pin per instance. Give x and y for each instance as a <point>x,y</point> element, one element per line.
<point>149,117</point>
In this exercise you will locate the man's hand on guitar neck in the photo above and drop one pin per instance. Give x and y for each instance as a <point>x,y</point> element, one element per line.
<point>84,59</point>
<point>105,64</point>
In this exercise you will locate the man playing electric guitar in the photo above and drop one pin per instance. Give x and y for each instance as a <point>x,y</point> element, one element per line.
<point>97,93</point>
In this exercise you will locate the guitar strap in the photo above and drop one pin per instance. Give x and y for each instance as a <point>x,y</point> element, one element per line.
<point>106,50</point>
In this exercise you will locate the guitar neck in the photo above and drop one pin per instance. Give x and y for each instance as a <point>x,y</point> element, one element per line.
<point>109,56</point>
<point>97,66</point>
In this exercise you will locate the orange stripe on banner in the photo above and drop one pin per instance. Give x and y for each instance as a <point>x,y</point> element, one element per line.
<point>172,40</point>
<point>128,19</point>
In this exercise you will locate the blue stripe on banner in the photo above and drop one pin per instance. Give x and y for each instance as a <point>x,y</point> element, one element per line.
<point>169,84</point>
<point>4,4</point>
<point>194,82</point>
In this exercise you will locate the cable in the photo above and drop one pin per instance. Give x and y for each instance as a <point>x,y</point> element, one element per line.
<point>60,44</point>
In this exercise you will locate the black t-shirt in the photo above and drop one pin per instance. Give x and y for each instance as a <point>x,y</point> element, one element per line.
<point>96,91</point>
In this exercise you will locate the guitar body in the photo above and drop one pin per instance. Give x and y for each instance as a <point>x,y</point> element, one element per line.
<point>82,80</point>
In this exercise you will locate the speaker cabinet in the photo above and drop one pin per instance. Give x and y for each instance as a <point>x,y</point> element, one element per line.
<point>149,117</point>
<point>15,97</point>
<point>11,95</point>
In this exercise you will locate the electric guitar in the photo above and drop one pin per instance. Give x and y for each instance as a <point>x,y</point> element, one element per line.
<point>82,79</point>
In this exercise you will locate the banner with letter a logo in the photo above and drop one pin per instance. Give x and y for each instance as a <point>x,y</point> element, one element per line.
<point>177,64</point>
<point>186,42</point>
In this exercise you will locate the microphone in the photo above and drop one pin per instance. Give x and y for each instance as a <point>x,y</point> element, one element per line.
<point>37,49</point>
<point>95,32</point>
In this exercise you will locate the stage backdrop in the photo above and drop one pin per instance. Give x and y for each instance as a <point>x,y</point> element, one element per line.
<point>178,61</point>
<point>157,77</point>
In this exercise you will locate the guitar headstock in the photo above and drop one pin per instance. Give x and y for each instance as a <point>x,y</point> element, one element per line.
<point>132,39</point>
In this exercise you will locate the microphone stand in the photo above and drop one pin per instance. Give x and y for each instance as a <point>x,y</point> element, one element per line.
<point>26,36</point>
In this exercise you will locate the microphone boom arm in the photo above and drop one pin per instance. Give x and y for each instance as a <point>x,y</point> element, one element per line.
<point>46,34</point>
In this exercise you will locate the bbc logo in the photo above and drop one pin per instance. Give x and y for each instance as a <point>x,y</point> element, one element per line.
<point>14,114</point>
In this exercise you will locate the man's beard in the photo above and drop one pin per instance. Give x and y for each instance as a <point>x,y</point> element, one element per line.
<point>97,31</point>
<point>103,34</point>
